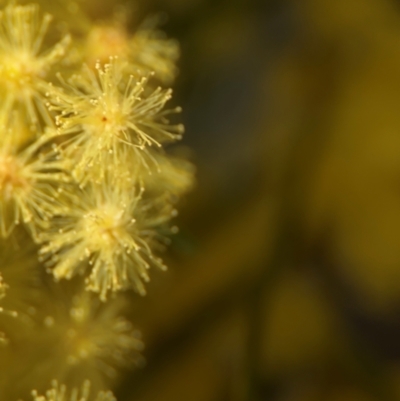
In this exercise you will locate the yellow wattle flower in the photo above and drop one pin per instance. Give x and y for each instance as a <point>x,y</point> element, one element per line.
<point>76,336</point>
<point>145,51</point>
<point>107,115</point>
<point>108,232</point>
<point>23,63</point>
<point>30,179</point>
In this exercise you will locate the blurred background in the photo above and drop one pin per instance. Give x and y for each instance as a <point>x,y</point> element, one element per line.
<point>284,280</point>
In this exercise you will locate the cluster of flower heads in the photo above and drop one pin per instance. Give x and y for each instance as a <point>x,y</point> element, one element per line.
<point>79,154</point>
<point>84,117</point>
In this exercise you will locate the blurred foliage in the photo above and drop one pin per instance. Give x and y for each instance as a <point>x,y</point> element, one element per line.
<point>292,110</point>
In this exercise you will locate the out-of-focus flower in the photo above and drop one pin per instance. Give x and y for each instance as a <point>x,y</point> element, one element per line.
<point>172,175</point>
<point>24,65</point>
<point>77,336</point>
<point>146,51</point>
<point>3,288</point>
<point>29,182</point>
<point>61,393</point>
<point>151,51</point>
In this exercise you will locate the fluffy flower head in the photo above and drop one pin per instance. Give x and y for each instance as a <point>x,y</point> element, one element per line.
<point>88,337</point>
<point>23,64</point>
<point>109,232</point>
<point>29,180</point>
<point>107,115</point>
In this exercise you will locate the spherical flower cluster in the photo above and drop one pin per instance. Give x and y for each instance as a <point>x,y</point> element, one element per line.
<point>86,336</point>
<point>23,63</point>
<point>107,116</point>
<point>29,184</point>
<point>108,231</point>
